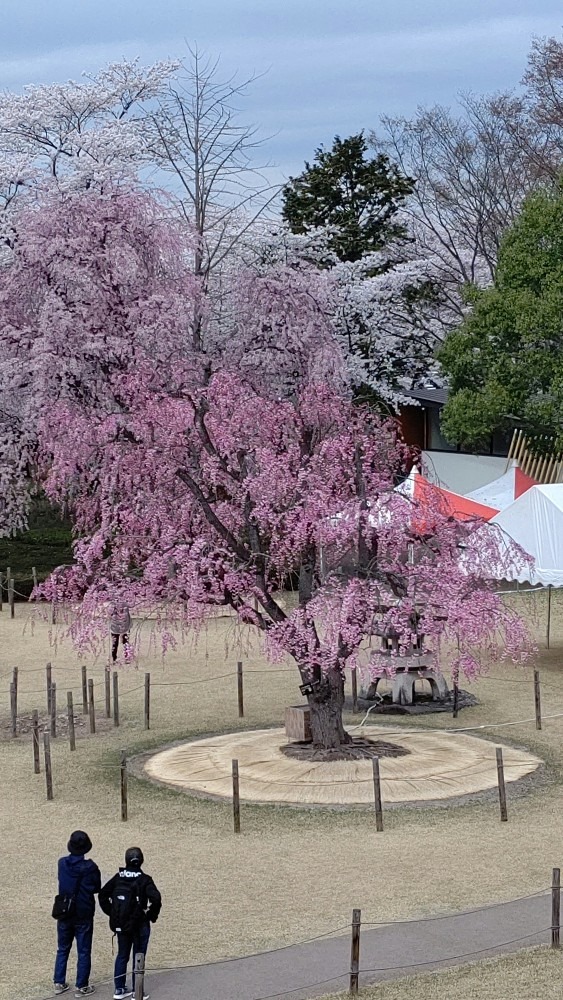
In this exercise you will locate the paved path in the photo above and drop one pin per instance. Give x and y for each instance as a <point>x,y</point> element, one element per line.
<point>311,970</point>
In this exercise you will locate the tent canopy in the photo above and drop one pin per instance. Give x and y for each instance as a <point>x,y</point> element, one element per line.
<point>504,490</point>
<point>535,522</point>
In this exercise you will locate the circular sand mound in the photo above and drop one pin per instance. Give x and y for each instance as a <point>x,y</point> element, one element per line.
<point>438,765</point>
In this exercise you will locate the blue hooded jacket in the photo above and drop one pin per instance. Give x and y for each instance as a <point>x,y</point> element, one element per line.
<point>70,867</point>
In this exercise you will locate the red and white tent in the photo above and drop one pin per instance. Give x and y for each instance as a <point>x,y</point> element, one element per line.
<point>452,504</point>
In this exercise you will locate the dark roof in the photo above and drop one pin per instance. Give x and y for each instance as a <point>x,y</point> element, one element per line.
<point>434,397</point>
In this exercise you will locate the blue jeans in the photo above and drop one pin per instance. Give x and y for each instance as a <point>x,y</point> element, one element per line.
<point>138,941</point>
<point>67,931</point>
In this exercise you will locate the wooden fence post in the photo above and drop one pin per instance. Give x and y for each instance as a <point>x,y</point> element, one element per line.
<point>115,698</point>
<point>34,575</point>
<point>91,706</point>
<point>147,701</point>
<point>236,797</point>
<point>54,710</point>
<point>354,692</point>
<point>14,708</point>
<point>15,674</point>
<point>355,952</point>
<point>501,786</point>
<point>123,775</point>
<point>48,682</point>
<point>139,976</point>
<point>35,739</point>
<point>555,907</point>
<point>48,770</point>
<point>70,710</point>
<point>240,690</point>
<point>537,698</point>
<point>11,598</point>
<point>53,612</point>
<point>107,686</point>
<point>455,706</point>
<point>377,795</point>
<point>1,588</point>
<point>84,689</point>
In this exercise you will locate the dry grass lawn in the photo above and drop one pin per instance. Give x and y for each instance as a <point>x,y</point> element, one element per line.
<point>291,874</point>
<point>535,974</point>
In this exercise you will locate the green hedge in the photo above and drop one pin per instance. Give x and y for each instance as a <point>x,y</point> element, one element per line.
<point>46,545</point>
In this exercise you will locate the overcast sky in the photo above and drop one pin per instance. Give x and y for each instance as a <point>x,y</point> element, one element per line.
<point>330,66</point>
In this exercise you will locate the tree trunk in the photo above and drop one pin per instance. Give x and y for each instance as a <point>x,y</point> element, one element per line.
<point>326,704</point>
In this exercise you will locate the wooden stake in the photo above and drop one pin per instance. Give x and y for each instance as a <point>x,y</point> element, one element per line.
<point>555,907</point>
<point>377,795</point>
<point>501,787</point>
<point>35,738</point>
<point>455,700</point>
<point>236,798</point>
<point>107,684</point>
<point>354,692</point>
<point>537,698</point>
<point>70,711</point>
<point>34,575</point>
<point>54,710</point>
<point>240,691</point>
<point>548,629</point>
<point>147,701</point>
<point>15,673</point>
<point>84,689</point>
<point>53,613</point>
<point>14,708</point>
<point>115,698</point>
<point>139,976</point>
<point>91,706</point>
<point>355,952</point>
<point>48,771</point>
<point>123,773</point>
<point>48,681</point>
<point>11,598</point>
<point>1,587</point>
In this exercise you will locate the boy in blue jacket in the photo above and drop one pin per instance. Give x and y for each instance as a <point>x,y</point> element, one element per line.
<point>81,878</point>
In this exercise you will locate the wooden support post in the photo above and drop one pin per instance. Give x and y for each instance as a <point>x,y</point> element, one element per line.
<point>123,774</point>
<point>35,738</point>
<point>107,686</point>
<point>147,701</point>
<point>11,598</point>
<point>84,689</point>
<point>377,795</point>
<point>48,770</point>
<point>236,798</point>
<point>537,698</point>
<point>34,575</point>
<point>70,710</point>
<point>54,710</point>
<point>91,706</point>
<point>548,628</point>
<point>139,976</point>
<point>555,907</point>
<point>455,708</point>
<point>501,787</point>
<point>354,692</point>
<point>15,673</point>
<point>14,708</point>
<point>48,682</point>
<point>355,952</point>
<point>115,698</point>
<point>240,689</point>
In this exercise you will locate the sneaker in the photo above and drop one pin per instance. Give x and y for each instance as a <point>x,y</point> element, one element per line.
<point>120,994</point>
<point>84,991</point>
<point>61,988</point>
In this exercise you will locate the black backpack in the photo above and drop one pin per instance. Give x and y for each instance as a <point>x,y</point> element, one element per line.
<point>126,910</point>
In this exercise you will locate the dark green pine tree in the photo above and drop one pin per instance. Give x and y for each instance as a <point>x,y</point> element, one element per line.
<point>353,194</point>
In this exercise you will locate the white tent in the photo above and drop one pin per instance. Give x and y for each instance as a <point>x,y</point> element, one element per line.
<point>500,493</point>
<point>535,521</point>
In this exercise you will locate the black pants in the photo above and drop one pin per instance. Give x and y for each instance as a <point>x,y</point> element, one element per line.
<point>115,643</point>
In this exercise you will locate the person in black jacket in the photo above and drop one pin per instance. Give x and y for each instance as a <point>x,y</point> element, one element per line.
<point>81,879</point>
<point>132,902</point>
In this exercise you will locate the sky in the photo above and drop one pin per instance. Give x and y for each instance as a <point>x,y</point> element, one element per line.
<point>324,67</point>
